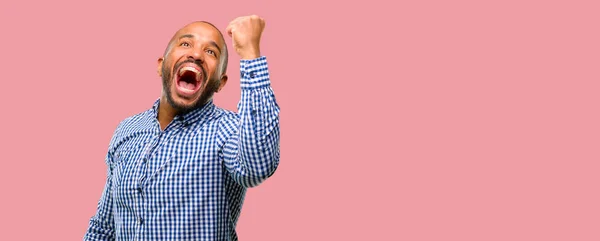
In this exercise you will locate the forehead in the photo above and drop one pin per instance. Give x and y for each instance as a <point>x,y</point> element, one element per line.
<point>201,31</point>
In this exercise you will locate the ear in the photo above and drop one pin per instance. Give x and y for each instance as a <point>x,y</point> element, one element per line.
<point>159,67</point>
<point>222,83</point>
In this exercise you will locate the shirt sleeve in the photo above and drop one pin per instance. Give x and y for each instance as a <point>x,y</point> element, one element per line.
<point>251,149</point>
<point>101,225</point>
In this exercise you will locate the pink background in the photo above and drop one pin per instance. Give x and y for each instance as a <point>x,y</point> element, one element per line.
<point>436,120</point>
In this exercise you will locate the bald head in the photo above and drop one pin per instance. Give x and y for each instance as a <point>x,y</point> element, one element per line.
<point>224,53</point>
<point>193,66</point>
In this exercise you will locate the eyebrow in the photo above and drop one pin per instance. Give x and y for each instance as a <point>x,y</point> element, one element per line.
<point>213,43</point>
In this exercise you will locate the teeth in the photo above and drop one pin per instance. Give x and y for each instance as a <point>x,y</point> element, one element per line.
<point>188,68</point>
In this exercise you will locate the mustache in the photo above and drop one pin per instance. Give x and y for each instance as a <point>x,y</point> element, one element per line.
<point>195,62</point>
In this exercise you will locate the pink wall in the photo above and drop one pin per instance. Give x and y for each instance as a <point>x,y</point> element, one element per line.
<point>436,120</point>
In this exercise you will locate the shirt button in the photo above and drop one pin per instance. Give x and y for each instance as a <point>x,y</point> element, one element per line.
<point>252,75</point>
<point>140,220</point>
<point>139,190</point>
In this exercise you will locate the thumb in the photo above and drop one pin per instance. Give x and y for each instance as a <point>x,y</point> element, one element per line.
<point>229,30</point>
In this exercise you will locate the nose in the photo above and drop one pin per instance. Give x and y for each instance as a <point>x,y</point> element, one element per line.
<point>196,55</point>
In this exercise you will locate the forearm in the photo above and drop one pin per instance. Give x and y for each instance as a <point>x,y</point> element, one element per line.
<point>101,226</point>
<point>252,153</point>
<point>98,231</point>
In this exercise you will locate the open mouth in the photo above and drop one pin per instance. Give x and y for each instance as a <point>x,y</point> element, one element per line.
<point>189,79</point>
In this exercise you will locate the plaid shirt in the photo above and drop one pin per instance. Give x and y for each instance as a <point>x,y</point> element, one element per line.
<point>188,182</point>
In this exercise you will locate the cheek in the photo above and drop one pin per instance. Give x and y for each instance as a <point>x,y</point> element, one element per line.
<point>165,70</point>
<point>213,65</point>
<point>172,58</point>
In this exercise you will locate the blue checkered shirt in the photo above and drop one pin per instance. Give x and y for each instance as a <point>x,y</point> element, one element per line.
<point>188,182</point>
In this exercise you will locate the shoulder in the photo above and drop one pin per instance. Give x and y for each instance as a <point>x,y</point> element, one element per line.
<point>225,116</point>
<point>129,126</point>
<point>134,122</point>
<point>227,122</point>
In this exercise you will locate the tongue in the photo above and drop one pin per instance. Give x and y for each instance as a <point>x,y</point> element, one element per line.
<point>189,86</point>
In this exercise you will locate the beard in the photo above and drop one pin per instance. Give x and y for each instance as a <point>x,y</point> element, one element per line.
<point>208,88</point>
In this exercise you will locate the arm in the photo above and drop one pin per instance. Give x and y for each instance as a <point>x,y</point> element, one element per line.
<point>101,224</point>
<point>251,150</point>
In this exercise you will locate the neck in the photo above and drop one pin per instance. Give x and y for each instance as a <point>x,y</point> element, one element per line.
<point>166,113</point>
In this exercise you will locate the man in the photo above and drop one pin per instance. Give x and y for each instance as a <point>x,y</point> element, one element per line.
<point>180,170</point>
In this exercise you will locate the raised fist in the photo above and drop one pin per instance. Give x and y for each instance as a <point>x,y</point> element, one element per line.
<point>245,32</point>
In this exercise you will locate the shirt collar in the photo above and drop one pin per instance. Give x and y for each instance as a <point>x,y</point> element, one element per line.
<point>191,117</point>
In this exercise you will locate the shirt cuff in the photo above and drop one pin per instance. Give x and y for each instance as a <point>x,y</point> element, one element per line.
<point>254,73</point>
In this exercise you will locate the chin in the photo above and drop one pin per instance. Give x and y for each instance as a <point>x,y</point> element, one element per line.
<point>183,103</point>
